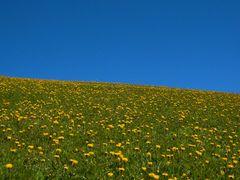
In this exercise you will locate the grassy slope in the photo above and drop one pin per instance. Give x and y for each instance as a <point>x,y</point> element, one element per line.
<point>168,132</point>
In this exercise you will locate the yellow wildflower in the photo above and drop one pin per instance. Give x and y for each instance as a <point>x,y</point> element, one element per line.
<point>13,150</point>
<point>154,176</point>
<point>90,145</point>
<point>121,169</point>
<point>58,150</point>
<point>74,162</point>
<point>199,153</point>
<point>55,122</point>
<point>110,174</point>
<point>9,166</point>
<point>56,156</point>
<point>30,147</point>
<point>66,167</point>
<point>165,174</point>
<point>150,163</point>
<point>124,159</point>
<point>231,176</point>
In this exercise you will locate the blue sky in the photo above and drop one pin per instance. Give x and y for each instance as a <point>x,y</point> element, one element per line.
<point>183,44</point>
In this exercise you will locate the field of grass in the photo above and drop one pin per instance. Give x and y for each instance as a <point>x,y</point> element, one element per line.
<point>63,130</point>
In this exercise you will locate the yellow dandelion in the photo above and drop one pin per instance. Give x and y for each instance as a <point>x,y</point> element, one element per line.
<point>110,126</point>
<point>149,154</point>
<point>231,176</point>
<point>124,159</point>
<point>136,148</point>
<point>121,169</point>
<point>235,161</point>
<point>60,137</point>
<point>30,147</point>
<point>174,178</point>
<point>74,162</point>
<point>55,122</point>
<point>165,174</point>
<point>148,142</point>
<point>9,166</point>
<point>110,174</point>
<point>230,166</point>
<point>58,150</point>
<point>13,150</point>
<point>119,153</point>
<point>56,156</point>
<point>45,134</point>
<point>118,145</point>
<point>150,163</point>
<point>87,155</point>
<point>66,168</point>
<point>42,160</point>
<point>222,172</point>
<point>224,158</point>
<point>91,153</point>
<point>199,153</point>
<point>90,145</point>
<point>154,176</point>
<point>168,163</point>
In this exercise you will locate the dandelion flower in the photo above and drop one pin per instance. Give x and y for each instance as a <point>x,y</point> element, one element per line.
<point>13,150</point>
<point>149,154</point>
<point>230,166</point>
<point>165,174</point>
<point>60,137</point>
<point>30,147</point>
<point>154,176</point>
<point>150,163</point>
<point>199,153</point>
<point>66,167</point>
<point>74,162</point>
<point>124,159</point>
<point>110,174</point>
<point>90,145</point>
<point>58,150</point>
<point>9,166</point>
<point>121,169</point>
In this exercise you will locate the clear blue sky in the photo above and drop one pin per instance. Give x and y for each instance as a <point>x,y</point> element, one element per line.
<point>184,44</point>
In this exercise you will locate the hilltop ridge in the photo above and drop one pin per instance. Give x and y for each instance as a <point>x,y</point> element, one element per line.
<point>113,83</point>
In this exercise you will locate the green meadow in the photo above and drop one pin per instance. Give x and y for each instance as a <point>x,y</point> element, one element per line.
<point>80,130</point>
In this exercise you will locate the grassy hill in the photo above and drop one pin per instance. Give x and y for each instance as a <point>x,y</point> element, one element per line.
<point>56,129</point>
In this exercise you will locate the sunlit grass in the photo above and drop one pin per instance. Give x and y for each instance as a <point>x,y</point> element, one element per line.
<point>54,129</point>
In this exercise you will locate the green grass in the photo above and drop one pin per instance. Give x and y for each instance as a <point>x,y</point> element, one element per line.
<point>137,132</point>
